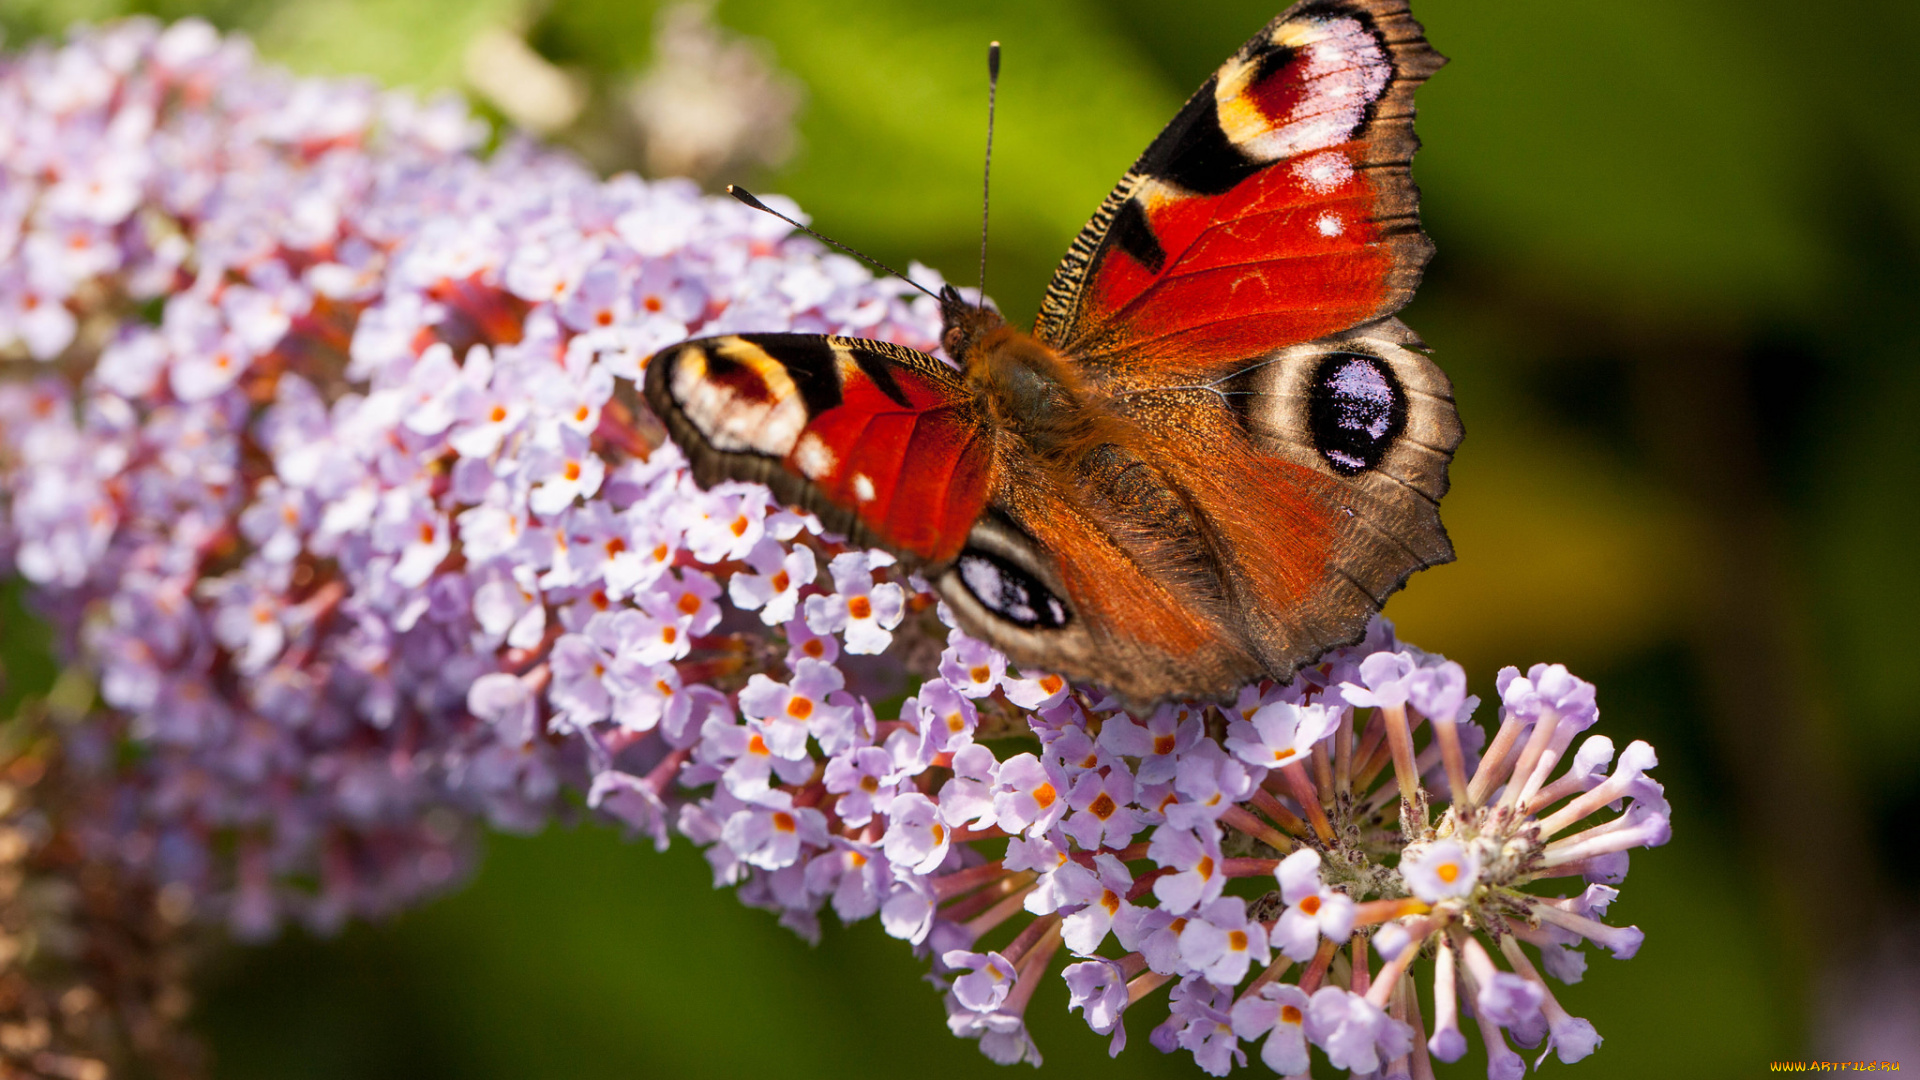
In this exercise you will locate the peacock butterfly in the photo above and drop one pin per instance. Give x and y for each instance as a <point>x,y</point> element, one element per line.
<point>1217,453</point>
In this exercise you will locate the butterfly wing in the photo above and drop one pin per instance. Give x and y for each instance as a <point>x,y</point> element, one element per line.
<point>1207,536</point>
<point>1276,208</point>
<point>881,441</point>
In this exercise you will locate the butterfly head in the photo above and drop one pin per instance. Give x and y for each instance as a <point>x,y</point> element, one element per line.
<point>963,325</point>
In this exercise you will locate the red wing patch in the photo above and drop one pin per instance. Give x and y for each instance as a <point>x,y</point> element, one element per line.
<point>1276,207</point>
<point>879,440</point>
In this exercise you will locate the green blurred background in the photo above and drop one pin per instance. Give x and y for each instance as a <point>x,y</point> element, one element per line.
<point>1679,258</point>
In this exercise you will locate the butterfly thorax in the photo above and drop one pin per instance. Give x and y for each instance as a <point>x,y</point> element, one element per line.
<point>1022,387</point>
<point>1029,390</point>
<point>1098,461</point>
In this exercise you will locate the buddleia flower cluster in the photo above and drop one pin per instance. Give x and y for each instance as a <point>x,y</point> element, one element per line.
<point>319,448</point>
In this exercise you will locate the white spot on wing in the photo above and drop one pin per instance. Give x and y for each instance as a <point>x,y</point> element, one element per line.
<point>862,487</point>
<point>1329,224</point>
<point>1323,173</point>
<point>814,457</point>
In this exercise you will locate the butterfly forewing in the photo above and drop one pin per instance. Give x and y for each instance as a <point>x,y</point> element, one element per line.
<point>881,441</point>
<point>1276,207</point>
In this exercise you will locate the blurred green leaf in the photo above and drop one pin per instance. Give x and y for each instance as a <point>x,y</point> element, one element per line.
<point>416,43</point>
<point>895,127</point>
<point>1641,148</point>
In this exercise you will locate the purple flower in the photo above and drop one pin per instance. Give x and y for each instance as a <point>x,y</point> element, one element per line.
<point>1313,910</point>
<point>788,713</point>
<point>967,799</point>
<point>866,779</point>
<point>1442,870</point>
<point>1028,796</point>
<point>1439,692</point>
<point>1386,678</point>
<point>1198,1020</point>
<point>1546,688</point>
<point>1193,859</point>
<point>1353,1031</point>
<point>769,834</point>
<point>1281,732</point>
<point>856,876</point>
<point>1279,1012</point>
<point>1168,733</point>
<point>505,702</point>
<point>1102,894</point>
<point>1102,814</point>
<point>1098,989</point>
<point>773,589</point>
<point>1035,692</point>
<point>1209,783</point>
<point>864,613</point>
<point>1220,943</point>
<point>989,978</point>
<point>973,668</point>
<point>944,718</point>
<point>916,839</point>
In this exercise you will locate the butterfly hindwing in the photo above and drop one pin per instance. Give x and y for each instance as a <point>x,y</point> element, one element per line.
<point>1276,208</point>
<point>881,441</point>
<point>1322,486</point>
<point>1224,532</point>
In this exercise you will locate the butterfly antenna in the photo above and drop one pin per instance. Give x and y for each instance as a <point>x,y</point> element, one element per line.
<point>986,173</point>
<point>747,197</point>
